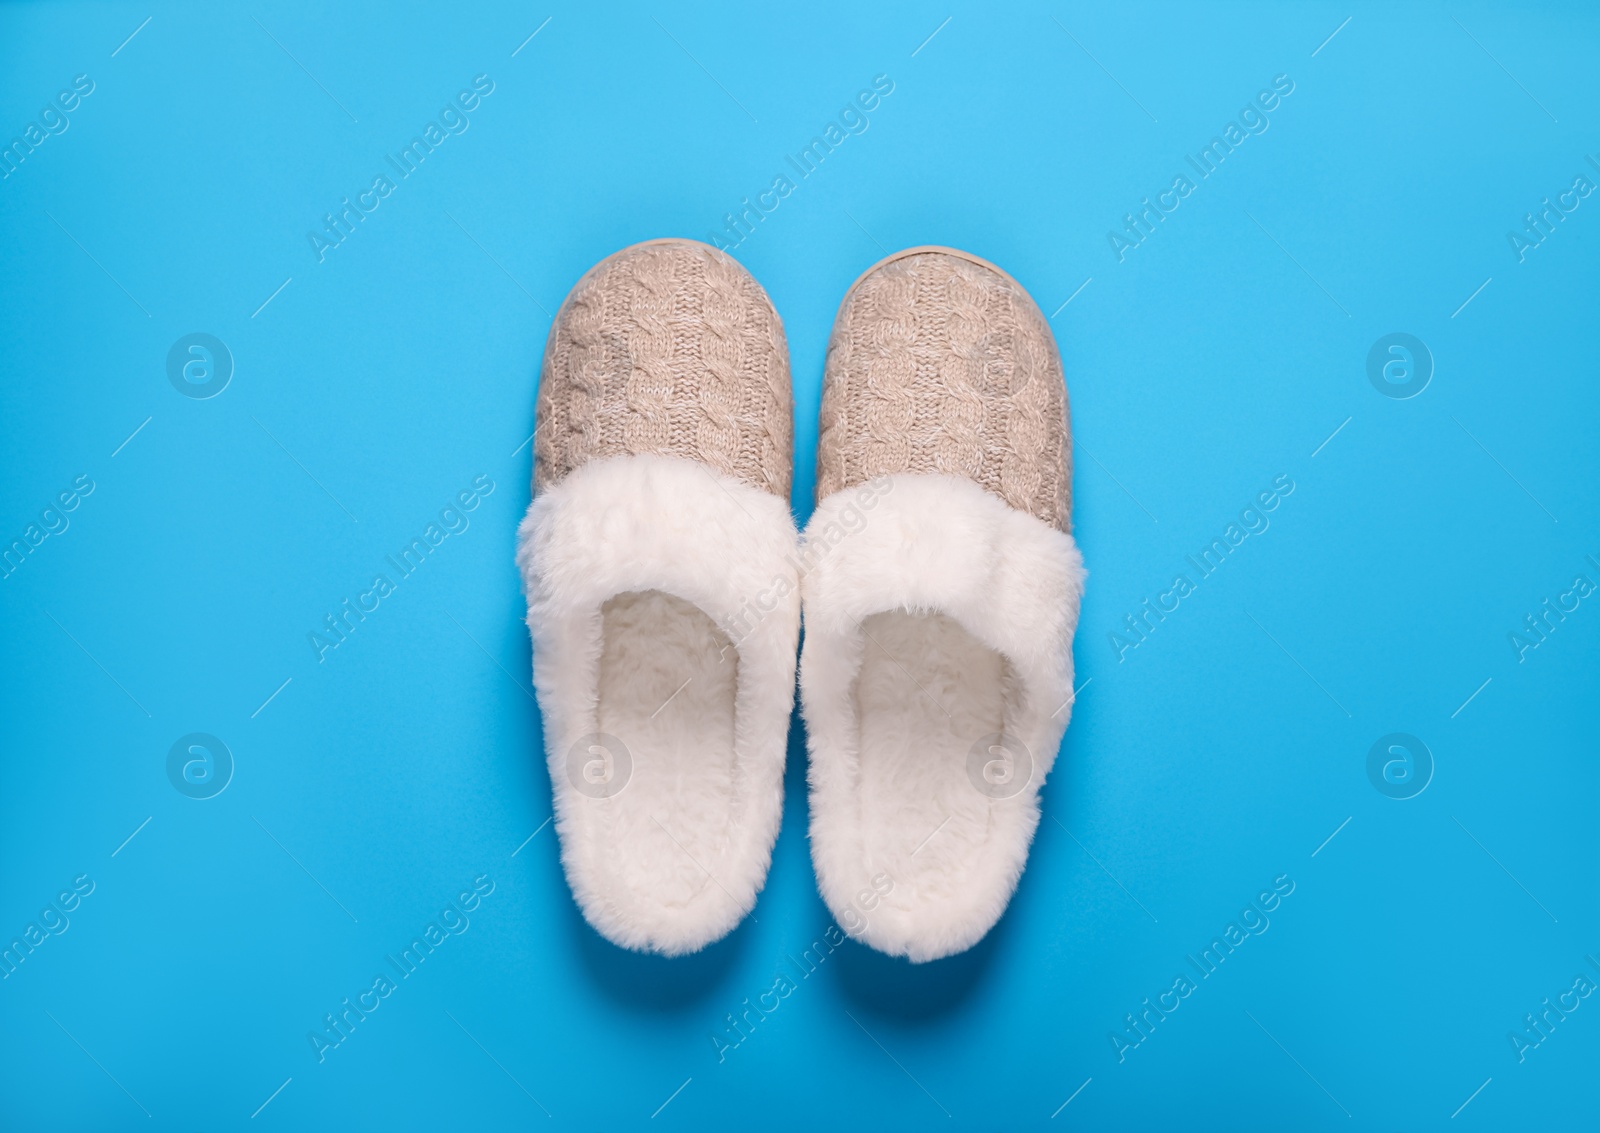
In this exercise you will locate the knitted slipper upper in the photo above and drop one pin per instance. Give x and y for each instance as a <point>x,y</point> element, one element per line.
<point>668,348</point>
<point>941,363</point>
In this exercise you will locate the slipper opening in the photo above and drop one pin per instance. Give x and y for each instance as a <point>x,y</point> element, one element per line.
<point>666,687</point>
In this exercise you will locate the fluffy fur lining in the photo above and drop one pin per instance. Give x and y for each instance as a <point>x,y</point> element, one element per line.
<point>936,683</point>
<point>663,601</point>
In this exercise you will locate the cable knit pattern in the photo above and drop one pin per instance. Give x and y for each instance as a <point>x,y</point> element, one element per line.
<point>941,363</point>
<point>671,348</point>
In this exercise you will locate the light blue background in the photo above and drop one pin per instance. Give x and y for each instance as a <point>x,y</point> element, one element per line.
<point>1214,757</point>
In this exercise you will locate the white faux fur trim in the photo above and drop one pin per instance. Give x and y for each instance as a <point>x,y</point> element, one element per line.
<point>673,860</point>
<point>932,726</point>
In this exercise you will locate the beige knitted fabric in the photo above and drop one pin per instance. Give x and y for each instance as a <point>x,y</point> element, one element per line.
<point>668,347</point>
<point>940,362</point>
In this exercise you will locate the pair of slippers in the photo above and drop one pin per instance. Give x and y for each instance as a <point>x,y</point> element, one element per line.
<point>665,582</point>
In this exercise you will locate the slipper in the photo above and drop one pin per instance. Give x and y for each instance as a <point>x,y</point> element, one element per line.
<point>941,587</point>
<point>658,561</point>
